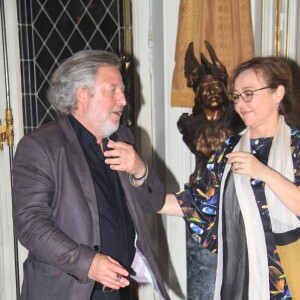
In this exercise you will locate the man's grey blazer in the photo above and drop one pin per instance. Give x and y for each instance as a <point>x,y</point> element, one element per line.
<point>56,216</point>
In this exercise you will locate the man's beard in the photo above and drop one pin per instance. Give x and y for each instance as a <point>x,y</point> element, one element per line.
<point>108,129</point>
<point>105,126</point>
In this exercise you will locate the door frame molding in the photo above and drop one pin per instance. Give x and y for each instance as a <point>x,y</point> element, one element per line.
<point>7,258</point>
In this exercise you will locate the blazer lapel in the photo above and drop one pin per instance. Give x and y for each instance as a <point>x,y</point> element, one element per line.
<point>80,165</point>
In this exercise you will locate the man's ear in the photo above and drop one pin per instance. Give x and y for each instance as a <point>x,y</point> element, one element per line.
<point>82,95</point>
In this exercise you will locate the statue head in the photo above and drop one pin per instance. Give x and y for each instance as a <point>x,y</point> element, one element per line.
<point>208,80</point>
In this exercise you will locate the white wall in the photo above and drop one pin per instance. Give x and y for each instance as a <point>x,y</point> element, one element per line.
<point>155,29</point>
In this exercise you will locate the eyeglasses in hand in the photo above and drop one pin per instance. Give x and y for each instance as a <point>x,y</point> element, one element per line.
<point>246,95</point>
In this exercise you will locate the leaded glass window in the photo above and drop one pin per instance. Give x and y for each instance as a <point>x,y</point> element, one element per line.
<point>53,30</point>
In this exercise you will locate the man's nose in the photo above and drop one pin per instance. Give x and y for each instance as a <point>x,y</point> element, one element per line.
<point>122,99</point>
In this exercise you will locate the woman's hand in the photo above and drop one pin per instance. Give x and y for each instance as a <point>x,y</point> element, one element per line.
<point>247,164</point>
<point>284,189</point>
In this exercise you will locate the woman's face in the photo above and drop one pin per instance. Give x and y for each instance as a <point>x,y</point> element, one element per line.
<point>261,113</point>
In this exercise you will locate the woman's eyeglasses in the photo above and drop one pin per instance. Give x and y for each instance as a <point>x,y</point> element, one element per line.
<point>246,95</point>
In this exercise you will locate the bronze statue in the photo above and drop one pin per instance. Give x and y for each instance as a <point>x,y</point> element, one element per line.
<point>213,118</point>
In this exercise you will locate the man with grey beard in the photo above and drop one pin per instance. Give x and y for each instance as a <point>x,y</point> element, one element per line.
<point>80,188</point>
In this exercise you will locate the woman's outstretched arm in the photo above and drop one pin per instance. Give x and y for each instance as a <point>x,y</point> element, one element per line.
<point>171,207</point>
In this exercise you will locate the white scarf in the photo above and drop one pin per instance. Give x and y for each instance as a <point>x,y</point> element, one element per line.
<point>282,219</point>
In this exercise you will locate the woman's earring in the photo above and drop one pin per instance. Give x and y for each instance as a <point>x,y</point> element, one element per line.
<point>278,106</point>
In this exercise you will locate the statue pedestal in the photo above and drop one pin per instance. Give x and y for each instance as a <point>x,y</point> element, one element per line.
<point>201,270</point>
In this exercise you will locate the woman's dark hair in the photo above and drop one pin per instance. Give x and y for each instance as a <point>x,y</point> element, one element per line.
<point>275,71</point>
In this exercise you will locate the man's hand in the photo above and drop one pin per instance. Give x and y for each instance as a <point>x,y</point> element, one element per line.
<point>123,157</point>
<point>104,269</point>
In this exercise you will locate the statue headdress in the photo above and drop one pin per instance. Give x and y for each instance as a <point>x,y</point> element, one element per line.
<point>195,72</point>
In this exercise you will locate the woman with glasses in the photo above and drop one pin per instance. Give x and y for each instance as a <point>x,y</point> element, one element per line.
<point>246,204</point>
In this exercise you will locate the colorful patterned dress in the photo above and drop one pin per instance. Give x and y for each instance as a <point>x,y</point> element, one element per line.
<point>200,205</point>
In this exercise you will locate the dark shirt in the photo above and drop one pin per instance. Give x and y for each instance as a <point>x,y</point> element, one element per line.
<point>117,232</point>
